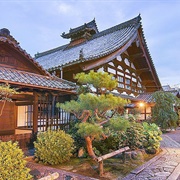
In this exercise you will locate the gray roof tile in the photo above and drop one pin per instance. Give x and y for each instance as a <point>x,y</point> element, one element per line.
<point>101,44</point>
<point>26,79</point>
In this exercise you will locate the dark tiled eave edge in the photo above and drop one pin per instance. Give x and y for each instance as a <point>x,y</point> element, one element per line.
<point>36,81</point>
<point>150,58</point>
<point>17,47</point>
<point>135,21</point>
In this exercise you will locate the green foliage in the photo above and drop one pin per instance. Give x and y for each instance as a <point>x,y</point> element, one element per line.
<point>12,163</point>
<point>6,92</point>
<point>163,113</point>
<point>118,123</point>
<point>92,102</point>
<point>134,136</point>
<point>153,137</point>
<point>79,141</point>
<point>88,129</point>
<point>111,143</point>
<point>116,138</point>
<point>102,81</point>
<point>53,147</point>
<point>5,95</point>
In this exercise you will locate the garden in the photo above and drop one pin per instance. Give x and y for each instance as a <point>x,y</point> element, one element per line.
<point>103,142</point>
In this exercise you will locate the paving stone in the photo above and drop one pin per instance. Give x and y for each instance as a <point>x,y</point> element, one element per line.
<point>158,178</point>
<point>165,174</point>
<point>168,169</point>
<point>171,163</point>
<point>167,166</point>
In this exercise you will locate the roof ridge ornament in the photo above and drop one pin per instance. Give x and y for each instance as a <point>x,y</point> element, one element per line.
<point>81,55</point>
<point>4,32</point>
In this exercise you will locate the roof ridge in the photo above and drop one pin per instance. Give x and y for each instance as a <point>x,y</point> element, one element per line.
<point>133,21</point>
<point>50,51</point>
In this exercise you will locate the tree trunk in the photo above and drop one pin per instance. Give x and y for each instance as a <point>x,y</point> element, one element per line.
<point>90,148</point>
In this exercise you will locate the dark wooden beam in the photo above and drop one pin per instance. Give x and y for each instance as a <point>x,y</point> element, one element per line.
<point>23,96</point>
<point>35,113</point>
<point>139,71</point>
<point>145,82</point>
<point>136,56</point>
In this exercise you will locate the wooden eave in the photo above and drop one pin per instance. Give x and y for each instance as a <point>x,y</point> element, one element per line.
<point>148,59</point>
<point>34,87</point>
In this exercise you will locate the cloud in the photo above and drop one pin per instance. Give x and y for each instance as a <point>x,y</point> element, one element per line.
<point>64,8</point>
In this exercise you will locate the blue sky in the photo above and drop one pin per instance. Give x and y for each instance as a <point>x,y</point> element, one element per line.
<point>38,24</point>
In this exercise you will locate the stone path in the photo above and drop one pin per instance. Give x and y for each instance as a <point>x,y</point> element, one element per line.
<point>165,166</point>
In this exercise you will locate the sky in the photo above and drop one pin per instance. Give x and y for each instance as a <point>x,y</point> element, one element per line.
<point>38,24</point>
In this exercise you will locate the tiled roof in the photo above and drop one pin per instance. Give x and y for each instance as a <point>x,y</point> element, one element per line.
<point>27,79</point>
<point>101,44</point>
<point>146,97</point>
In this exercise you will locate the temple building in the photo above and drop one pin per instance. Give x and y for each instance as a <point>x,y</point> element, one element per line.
<point>49,77</point>
<point>120,50</point>
<point>34,107</point>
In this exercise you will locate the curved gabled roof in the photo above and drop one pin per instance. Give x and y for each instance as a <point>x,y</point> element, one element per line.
<point>100,45</point>
<point>5,37</point>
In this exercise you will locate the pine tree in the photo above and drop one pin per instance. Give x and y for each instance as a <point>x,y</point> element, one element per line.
<point>95,105</point>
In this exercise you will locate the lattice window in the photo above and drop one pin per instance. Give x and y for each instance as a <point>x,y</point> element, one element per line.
<point>120,79</point>
<point>120,85</point>
<point>112,71</point>
<point>127,62</point>
<point>127,81</point>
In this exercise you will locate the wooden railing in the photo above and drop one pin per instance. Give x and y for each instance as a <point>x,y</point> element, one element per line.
<point>106,156</point>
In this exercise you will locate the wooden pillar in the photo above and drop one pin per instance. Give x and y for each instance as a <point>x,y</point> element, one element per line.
<point>61,71</point>
<point>145,113</point>
<point>101,169</point>
<point>35,113</point>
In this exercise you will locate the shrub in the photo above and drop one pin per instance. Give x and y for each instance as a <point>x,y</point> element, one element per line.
<point>134,136</point>
<point>153,137</point>
<point>12,164</point>
<point>106,145</point>
<point>117,127</point>
<point>53,147</point>
<point>79,141</point>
